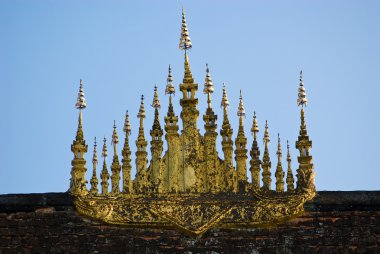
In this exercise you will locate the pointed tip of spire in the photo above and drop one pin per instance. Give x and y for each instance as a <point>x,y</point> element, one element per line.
<point>302,99</point>
<point>241,110</point>
<point>127,124</point>
<point>156,102</point>
<point>266,138</point>
<point>255,126</point>
<point>95,143</point>
<point>184,42</point>
<point>141,113</point>
<point>104,151</point>
<point>169,83</point>
<point>81,100</point>
<point>225,103</point>
<point>208,85</point>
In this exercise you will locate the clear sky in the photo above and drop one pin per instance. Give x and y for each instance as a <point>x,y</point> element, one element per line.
<point>122,48</point>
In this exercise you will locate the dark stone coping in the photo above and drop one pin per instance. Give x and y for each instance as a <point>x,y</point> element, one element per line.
<point>325,201</point>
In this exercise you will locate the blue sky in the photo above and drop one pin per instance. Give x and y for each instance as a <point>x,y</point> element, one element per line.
<point>121,49</point>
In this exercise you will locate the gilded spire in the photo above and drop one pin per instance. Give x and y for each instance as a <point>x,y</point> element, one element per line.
<point>225,103</point>
<point>104,175</point>
<point>141,183</point>
<point>241,151</point>
<point>302,100</point>
<point>279,171</point>
<point>255,126</point>
<point>266,163</point>
<point>185,44</point>
<point>115,167</point>
<point>80,104</point>
<point>255,156</point>
<point>169,83</point>
<point>127,125</point>
<point>227,145</point>
<point>241,110</point>
<point>126,162</point>
<point>81,101</point>
<point>115,137</point>
<point>104,150</point>
<point>94,178</point>
<point>208,86</point>
<point>95,154</point>
<point>289,175</point>
<point>141,113</point>
<point>156,147</point>
<point>156,102</point>
<point>305,172</point>
<point>184,41</point>
<point>79,148</point>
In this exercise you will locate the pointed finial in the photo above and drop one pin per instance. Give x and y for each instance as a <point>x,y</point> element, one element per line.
<point>225,103</point>
<point>169,83</point>
<point>241,110</point>
<point>184,41</point>
<point>95,155</point>
<point>141,113</point>
<point>208,86</point>
<point>127,124</point>
<point>266,138</point>
<point>115,138</point>
<point>104,152</point>
<point>279,150</point>
<point>255,126</point>
<point>288,158</point>
<point>156,102</point>
<point>81,101</point>
<point>302,100</point>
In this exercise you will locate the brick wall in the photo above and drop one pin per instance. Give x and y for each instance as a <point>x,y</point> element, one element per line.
<point>334,222</point>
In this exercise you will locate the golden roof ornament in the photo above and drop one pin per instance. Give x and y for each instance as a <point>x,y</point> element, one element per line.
<point>302,100</point>
<point>115,137</point>
<point>81,101</point>
<point>225,103</point>
<point>94,178</point>
<point>127,125</point>
<point>95,153</point>
<point>104,150</point>
<point>156,102</point>
<point>184,41</point>
<point>241,110</point>
<point>279,174</point>
<point>255,126</point>
<point>187,186</point>
<point>169,83</point>
<point>141,113</point>
<point>289,175</point>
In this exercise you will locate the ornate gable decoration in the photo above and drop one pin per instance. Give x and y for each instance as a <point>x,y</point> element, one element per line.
<point>189,188</point>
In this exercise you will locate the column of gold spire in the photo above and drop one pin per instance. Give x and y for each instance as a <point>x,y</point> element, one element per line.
<point>115,167</point>
<point>126,162</point>
<point>79,148</point>
<point>141,181</point>
<point>279,174</point>
<point>266,163</point>
<point>212,175</point>
<point>255,161</point>
<point>305,172</point>
<point>190,175</point>
<point>227,146</point>
<point>170,178</point>
<point>104,175</point>
<point>241,150</point>
<point>94,178</point>
<point>289,175</point>
<point>156,147</point>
